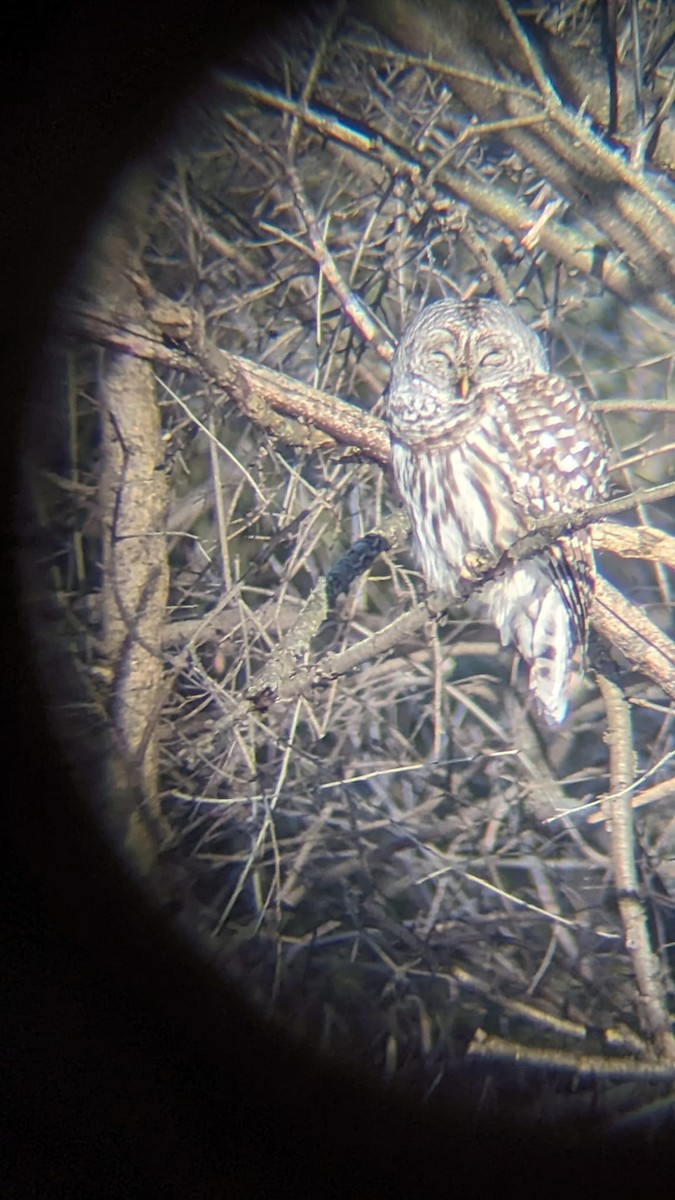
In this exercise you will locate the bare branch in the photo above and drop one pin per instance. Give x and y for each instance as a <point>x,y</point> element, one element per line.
<point>560,241</point>
<point>619,818</point>
<point>260,392</point>
<point>379,749</point>
<point>628,628</point>
<point>595,1065</point>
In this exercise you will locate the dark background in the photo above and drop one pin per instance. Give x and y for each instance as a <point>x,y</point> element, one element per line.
<point>132,1069</point>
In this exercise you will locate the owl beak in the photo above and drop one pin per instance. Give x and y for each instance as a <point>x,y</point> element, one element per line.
<point>464,385</point>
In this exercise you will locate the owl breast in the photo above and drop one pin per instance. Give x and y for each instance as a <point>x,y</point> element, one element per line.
<point>459,504</point>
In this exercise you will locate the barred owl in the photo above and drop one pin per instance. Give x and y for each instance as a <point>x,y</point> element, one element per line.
<point>486,440</point>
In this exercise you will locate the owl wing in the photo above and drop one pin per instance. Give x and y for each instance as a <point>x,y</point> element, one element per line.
<point>556,446</point>
<point>558,458</point>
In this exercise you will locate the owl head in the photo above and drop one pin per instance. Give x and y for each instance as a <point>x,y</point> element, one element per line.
<point>452,349</point>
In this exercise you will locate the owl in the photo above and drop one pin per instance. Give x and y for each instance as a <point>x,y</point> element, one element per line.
<point>486,440</point>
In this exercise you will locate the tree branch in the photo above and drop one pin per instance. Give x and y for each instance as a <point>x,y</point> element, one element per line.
<point>563,243</point>
<point>618,816</point>
<point>264,395</point>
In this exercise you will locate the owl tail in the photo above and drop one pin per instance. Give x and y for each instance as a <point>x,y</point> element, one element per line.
<point>551,658</point>
<point>530,611</point>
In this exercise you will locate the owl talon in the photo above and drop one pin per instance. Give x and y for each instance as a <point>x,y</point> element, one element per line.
<point>474,565</point>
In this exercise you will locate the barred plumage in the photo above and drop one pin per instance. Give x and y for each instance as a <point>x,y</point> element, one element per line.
<point>485,440</point>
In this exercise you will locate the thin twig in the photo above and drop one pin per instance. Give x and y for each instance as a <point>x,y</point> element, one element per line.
<point>578,128</point>
<point>560,241</point>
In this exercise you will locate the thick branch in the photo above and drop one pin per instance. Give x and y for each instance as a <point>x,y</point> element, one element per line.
<point>618,814</point>
<point>628,628</point>
<point>261,393</point>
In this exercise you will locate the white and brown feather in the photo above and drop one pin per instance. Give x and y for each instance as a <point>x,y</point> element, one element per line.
<point>485,441</point>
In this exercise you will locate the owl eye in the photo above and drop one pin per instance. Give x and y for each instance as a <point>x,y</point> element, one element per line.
<point>442,357</point>
<point>493,358</point>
